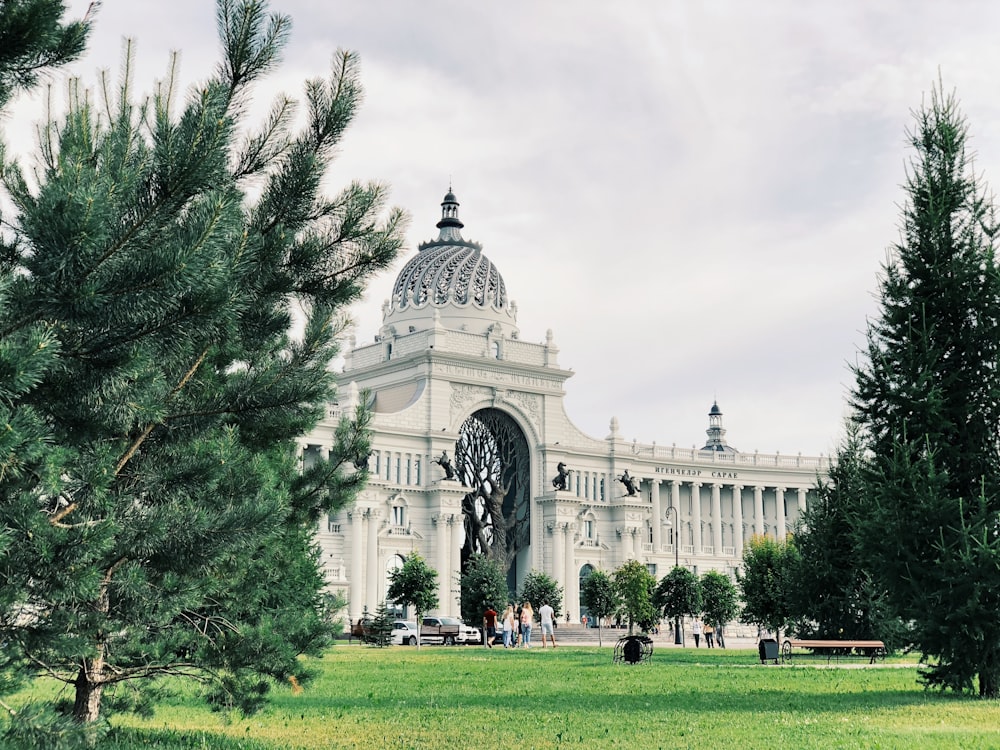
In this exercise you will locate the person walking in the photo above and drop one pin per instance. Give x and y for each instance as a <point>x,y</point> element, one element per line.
<point>490,625</point>
<point>547,617</point>
<point>709,635</point>
<point>508,627</point>
<point>527,614</point>
<point>696,632</point>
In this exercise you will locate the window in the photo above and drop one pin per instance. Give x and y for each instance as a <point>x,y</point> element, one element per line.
<point>398,515</point>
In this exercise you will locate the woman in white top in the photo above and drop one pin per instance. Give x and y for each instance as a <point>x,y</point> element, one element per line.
<point>508,627</point>
<point>696,632</point>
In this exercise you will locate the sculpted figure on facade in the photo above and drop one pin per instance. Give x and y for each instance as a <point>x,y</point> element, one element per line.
<point>561,480</point>
<point>445,463</point>
<point>630,484</point>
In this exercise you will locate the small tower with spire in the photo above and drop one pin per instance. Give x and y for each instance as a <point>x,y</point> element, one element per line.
<point>716,433</point>
<point>450,223</point>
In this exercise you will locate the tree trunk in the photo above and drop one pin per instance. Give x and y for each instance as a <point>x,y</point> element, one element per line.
<point>89,686</point>
<point>989,686</point>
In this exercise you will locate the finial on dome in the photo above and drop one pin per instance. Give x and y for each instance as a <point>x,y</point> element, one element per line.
<point>449,211</point>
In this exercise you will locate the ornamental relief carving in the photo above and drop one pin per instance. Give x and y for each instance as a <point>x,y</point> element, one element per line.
<point>530,403</point>
<point>463,395</point>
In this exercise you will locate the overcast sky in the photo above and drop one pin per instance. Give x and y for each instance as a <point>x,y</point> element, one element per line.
<point>695,197</point>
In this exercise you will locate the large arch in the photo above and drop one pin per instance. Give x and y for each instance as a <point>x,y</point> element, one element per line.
<point>492,458</point>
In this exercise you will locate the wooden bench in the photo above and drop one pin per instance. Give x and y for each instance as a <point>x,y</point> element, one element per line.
<point>835,649</point>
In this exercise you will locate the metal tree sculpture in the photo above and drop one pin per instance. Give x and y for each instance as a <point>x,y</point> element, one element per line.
<point>492,460</point>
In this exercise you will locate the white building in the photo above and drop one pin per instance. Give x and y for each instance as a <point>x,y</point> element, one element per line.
<point>448,373</point>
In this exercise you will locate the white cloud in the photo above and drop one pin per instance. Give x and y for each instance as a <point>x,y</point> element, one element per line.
<point>695,197</point>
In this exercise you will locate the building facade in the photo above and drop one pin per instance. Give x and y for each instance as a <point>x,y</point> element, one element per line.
<point>465,412</point>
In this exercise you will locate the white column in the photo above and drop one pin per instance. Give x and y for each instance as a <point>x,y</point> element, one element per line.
<point>372,572</point>
<point>696,515</point>
<point>802,502</point>
<point>657,520</point>
<point>571,600</point>
<point>758,510</point>
<point>738,519</point>
<point>558,553</point>
<point>717,518</point>
<point>675,503</point>
<point>356,518</point>
<point>779,504</point>
<point>443,561</point>
<point>455,521</point>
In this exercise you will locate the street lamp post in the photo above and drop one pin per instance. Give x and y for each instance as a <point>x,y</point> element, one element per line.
<point>678,639</point>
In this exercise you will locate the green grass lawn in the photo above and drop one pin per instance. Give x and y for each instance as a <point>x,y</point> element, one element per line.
<point>477,698</point>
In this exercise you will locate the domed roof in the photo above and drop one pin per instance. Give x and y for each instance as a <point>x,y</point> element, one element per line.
<point>453,275</point>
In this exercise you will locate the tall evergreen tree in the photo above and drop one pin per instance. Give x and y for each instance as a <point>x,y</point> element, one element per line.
<point>832,594</point>
<point>168,530</point>
<point>928,397</point>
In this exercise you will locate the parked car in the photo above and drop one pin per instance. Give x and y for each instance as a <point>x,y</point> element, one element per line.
<point>466,633</point>
<point>447,630</point>
<point>404,632</point>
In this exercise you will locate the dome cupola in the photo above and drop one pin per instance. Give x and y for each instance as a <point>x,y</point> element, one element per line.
<point>451,276</point>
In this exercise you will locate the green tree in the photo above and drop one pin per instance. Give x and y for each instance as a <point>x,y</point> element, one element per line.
<point>34,37</point>
<point>537,588</point>
<point>414,584</point>
<point>678,595</point>
<point>483,583</point>
<point>160,253</point>
<point>599,596</point>
<point>832,594</point>
<point>634,584</point>
<point>927,395</point>
<point>719,602</point>
<point>765,581</point>
<point>379,631</point>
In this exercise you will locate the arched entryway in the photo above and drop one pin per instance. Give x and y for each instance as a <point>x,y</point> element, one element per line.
<point>492,459</point>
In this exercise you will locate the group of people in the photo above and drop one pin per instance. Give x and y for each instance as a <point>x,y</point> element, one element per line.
<point>698,629</point>
<point>515,627</point>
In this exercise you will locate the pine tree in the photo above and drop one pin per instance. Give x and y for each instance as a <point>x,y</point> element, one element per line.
<point>380,630</point>
<point>831,594</point>
<point>33,38</point>
<point>160,256</point>
<point>928,398</point>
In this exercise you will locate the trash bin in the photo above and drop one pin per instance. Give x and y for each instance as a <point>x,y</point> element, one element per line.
<point>768,649</point>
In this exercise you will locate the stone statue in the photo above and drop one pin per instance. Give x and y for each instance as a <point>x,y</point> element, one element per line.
<point>630,484</point>
<point>561,480</point>
<point>445,463</point>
